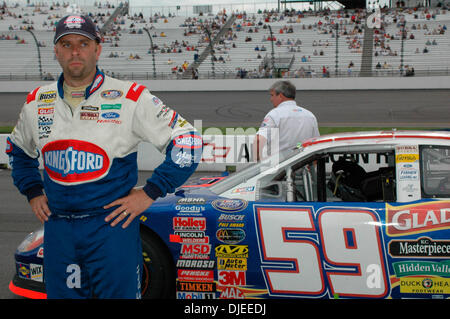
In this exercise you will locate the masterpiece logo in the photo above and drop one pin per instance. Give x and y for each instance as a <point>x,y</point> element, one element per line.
<point>417,218</point>
<point>422,247</point>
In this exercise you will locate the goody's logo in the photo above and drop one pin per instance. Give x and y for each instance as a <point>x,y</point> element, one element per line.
<point>74,161</point>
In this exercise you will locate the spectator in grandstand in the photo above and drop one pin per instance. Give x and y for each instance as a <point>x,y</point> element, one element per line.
<point>286,125</point>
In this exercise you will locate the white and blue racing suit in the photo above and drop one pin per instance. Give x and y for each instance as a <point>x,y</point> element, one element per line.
<point>90,159</point>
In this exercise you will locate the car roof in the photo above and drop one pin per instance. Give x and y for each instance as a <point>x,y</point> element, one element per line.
<point>338,139</point>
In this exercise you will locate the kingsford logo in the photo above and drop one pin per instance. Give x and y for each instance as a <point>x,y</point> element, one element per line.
<point>74,161</point>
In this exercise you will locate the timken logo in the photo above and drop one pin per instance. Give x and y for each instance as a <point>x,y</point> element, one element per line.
<point>74,161</point>
<point>417,218</point>
<point>189,223</point>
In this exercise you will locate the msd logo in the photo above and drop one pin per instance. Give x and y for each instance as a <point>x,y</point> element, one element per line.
<point>74,161</point>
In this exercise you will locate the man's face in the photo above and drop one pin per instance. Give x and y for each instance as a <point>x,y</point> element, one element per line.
<point>275,98</point>
<point>78,56</point>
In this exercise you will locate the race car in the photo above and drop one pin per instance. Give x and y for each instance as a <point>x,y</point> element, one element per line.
<point>349,215</point>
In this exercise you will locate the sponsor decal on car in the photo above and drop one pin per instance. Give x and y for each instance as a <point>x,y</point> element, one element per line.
<point>196,286</point>
<point>230,205</point>
<point>191,201</point>
<point>195,295</point>
<point>196,263</point>
<point>195,251</point>
<point>195,275</point>
<point>232,264</point>
<point>189,223</point>
<point>422,247</point>
<point>420,268</point>
<point>425,285</point>
<point>230,235</point>
<point>191,237</point>
<point>232,251</point>
<point>417,218</point>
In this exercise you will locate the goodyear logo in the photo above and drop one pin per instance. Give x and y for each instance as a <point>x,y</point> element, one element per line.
<point>74,161</point>
<point>47,97</point>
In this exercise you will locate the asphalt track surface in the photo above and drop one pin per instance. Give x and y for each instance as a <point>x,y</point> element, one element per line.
<point>396,108</point>
<point>365,108</point>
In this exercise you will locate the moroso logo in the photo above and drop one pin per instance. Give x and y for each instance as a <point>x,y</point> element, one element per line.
<point>74,161</point>
<point>417,218</point>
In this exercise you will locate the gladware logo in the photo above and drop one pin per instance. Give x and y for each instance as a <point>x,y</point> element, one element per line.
<point>73,161</point>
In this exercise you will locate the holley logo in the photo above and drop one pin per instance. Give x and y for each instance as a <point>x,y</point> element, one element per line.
<point>417,218</point>
<point>73,161</point>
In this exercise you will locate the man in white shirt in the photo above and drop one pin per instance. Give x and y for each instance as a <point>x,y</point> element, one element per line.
<point>286,125</point>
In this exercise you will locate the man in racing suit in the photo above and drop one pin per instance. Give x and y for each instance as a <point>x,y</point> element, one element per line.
<point>87,127</point>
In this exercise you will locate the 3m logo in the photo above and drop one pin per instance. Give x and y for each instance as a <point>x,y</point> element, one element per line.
<point>232,278</point>
<point>74,161</point>
<point>232,251</point>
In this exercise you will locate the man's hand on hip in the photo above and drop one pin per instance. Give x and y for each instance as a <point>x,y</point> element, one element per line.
<point>130,206</point>
<point>39,206</point>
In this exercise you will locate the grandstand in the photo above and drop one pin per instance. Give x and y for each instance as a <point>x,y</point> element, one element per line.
<point>325,43</point>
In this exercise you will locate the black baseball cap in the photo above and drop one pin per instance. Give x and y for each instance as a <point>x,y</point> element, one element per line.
<point>76,24</point>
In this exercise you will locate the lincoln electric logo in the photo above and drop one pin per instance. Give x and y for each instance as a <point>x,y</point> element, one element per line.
<point>74,161</point>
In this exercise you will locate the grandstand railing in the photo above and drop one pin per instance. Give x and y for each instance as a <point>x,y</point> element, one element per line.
<point>20,61</point>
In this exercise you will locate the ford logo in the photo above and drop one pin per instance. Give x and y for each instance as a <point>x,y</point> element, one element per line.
<point>110,115</point>
<point>229,205</point>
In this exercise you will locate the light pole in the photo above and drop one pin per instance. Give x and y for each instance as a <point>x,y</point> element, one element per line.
<point>337,50</point>
<point>211,48</point>
<point>38,51</point>
<point>403,46</point>
<point>153,52</point>
<point>273,51</point>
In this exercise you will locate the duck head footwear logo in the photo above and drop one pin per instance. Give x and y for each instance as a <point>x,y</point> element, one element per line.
<point>73,161</point>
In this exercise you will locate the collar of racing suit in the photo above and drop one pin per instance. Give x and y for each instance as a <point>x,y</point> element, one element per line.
<point>97,82</point>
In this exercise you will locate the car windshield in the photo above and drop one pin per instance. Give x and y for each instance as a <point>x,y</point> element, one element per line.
<point>252,170</point>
